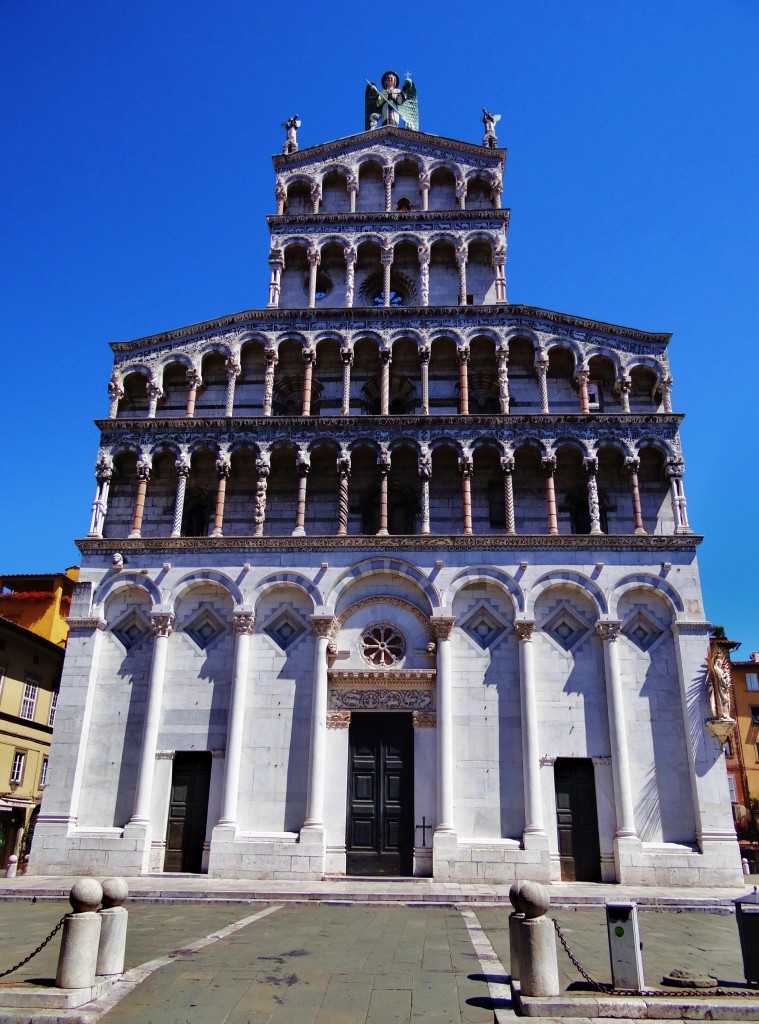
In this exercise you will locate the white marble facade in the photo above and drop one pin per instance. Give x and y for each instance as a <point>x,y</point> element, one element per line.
<point>517,523</point>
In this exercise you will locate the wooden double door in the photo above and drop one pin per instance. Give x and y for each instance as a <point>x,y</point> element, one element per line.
<point>188,811</point>
<point>380,827</point>
<point>577,820</point>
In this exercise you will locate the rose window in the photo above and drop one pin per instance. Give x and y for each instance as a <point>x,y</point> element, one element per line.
<point>382,645</point>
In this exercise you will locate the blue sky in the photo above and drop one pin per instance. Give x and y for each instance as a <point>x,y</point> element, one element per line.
<point>137,137</point>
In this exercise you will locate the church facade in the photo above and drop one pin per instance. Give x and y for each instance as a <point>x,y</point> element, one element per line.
<point>389,577</point>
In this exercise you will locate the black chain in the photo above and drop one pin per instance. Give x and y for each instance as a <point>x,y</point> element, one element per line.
<point>670,992</point>
<point>39,949</point>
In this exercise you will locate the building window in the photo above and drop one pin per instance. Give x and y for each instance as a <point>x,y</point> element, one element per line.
<point>53,706</point>
<point>752,681</point>
<point>595,396</point>
<point>755,714</point>
<point>43,773</point>
<point>17,771</point>
<point>29,699</point>
<point>733,790</point>
<point>728,748</point>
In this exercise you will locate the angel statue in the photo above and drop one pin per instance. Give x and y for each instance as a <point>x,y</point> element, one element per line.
<point>390,105</point>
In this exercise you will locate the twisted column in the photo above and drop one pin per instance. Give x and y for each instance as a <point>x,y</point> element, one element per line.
<point>461,193</point>
<point>384,471</point>
<point>233,371</point>
<point>424,273</point>
<point>259,508</point>
<point>632,465</point>
<point>507,465</point>
<point>425,472</point>
<point>322,626</point>
<point>466,468</point>
<point>424,189</point>
<point>277,264</point>
<point>143,476</point>
<point>442,626</point>
<point>549,468</point>
<point>280,194</point>
<point>462,254</point>
<point>533,801</point>
<point>103,475</point>
<point>303,466</point>
<point>344,472</point>
<point>116,393</point>
<point>625,386</point>
<point>387,265</point>
<point>309,359</point>
<point>583,377</point>
<point>385,360</point>
<point>314,259</point>
<point>594,505</point>
<point>194,381</point>
<point>541,368</point>
<point>154,393</point>
<point>350,272</point>
<point>161,624</point>
<point>424,371</point>
<point>271,363</point>
<point>499,266</point>
<point>463,356</point>
<point>496,192</point>
<point>503,379</point>
<point>243,626</point>
<point>666,392</point>
<point>388,177</point>
<point>346,354</point>
<point>183,472</point>
<point>620,761</point>
<point>316,196</point>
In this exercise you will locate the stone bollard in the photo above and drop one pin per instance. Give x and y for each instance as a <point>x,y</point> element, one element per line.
<point>515,919</point>
<point>113,928</point>
<point>10,871</point>
<point>81,933</point>
<point>744,864</point>
<point>538,967</point>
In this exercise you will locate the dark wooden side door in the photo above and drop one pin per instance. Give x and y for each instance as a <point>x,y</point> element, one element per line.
<point>188,811</point>
<point>380,828</point>
<point>577,820</point>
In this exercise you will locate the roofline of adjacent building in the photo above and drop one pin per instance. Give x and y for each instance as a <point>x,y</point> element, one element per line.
<point>391,314</point>
<point>27,634</point>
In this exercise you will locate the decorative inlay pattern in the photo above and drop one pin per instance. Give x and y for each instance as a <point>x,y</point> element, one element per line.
<point>382,645</point>
<point>342,678</point>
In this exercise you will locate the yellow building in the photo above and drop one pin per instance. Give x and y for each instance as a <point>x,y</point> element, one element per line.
<point>743,767</point>
<point>33,628</point>
<point>39,602</point>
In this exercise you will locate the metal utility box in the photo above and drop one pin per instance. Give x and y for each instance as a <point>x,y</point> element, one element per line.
<point>747,916</point>
<point>624,945</point>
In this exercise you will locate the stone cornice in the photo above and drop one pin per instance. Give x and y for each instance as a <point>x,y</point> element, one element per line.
<point>392,679</point>
<point>656,544</point>
<point>413,218</point>
<point>414,140</point>
<point>278,320</point>
<point>368,424</point>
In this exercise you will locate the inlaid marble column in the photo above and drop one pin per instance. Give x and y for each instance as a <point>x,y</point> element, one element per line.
<point>674,471</point>
<point>243,625</point>
<point>632,465</point>
<point>154,394</point>
<point>233,372</point>
<point>103,476</point>
<point>424,189</point>
<point>425,472</point>
<point>424,273</point>
<point>314,259</point>
<point>194,381</point>
<point>143,477</point>
<point>583,378</point>
<point>322,626</point>
<point>350,274</point>
<point>533,801</point>
<point>548,466</point>
<point>271,364</point>
<point>620,760</point>
<point>115,393</point>
<point>303,465</point>
<point>386,256</point>
<point>466,468</point>
<point>259,508</point>
<point>280,194</point>
<point>277,265</point>
<point>223,469</point>
<point>462,353</point>
<point>541,368</point>
<point>183,472</point>
<point>161,624</point>
<point>507,465</point>
<point>385,360</point>
<point>503,379</point>
<point>443,626</point>
<point>594,505</point>
<point>316,196</point>
<point>499,266</point>
<point>462,255</point>
<point>424,372</point>
<point>309,360</point>
<point>666,392</point>
<point>352,186</point>
<point>346,354</point>
<point>461,193</point>
<point>388,177</point>
<point>344,473</point>
<point>383,463</point>
<point>625,386</point>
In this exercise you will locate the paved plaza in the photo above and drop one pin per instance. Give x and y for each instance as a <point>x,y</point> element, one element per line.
<point>372,962</point>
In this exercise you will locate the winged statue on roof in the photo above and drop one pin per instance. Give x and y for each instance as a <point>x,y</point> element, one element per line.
<point>392,103</point>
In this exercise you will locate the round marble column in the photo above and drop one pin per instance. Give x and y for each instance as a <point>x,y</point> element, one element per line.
<point>443,625</point>
<point>322,626</point>
<point>243,623</point>
<point>161,624</point>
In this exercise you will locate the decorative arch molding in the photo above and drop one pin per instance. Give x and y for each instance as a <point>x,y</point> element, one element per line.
<point>512,333</point>
<point>373,566</point>
<point>141,369</point>
<point>568,441</point>
<point>570,346</point>
<point>214,348</point>
<point>198,578</point>
<point>606,353</point>
<point>121,581</point>
<point>396,602</point>
<point>486,574</point>
<point>287,579</point>
<point>644,580</point>
<point>568,578</point>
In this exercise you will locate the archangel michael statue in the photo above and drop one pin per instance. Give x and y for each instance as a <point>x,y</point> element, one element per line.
<point>390,104</point>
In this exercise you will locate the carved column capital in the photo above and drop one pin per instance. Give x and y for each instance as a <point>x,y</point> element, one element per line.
<point>346,354</point>
<point>350,253</point>
<point>276,258</point>
<point>194,379</point>
<point>223,467</point>
<point>115,389</point>
<point>263,467</point>
<point>271,357</point>
<point>590,464</point>
<point>143,468</point>
<point>161,624</point>
<point>386,256</point>
<point>182,467</point>
<point>303,463</point>
<point>233,368</point>
<point>442,626</point>
<point>344,465</point>
<point>608,631</point>
<point>462,253</point>
<point>632,464</point>
<point>244,623</point>
<point>524,629</point>
<point>423,252</point>
<point>309,356</point>
<point>425,464</point>
<point>548,465</point>
<point>424,354</point>
<point>388,175</point>
<point>154,390</point>
<point>507,463</point>
<point>314,257</point>
<point>322,625</point>
<point>466,467</point>
<point>463,353</point>
<point>674,468</point>
<point>103,468</point>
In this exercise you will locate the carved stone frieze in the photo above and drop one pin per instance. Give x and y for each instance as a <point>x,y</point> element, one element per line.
<point>388,680</point>
<point>381,700</point>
